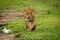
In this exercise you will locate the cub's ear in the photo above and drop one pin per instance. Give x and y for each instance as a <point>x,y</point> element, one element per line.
<point>25,9</point>
<point>33,10</point>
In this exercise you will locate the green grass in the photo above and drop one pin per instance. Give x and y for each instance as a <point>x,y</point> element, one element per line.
<point>48,28</point>
<point>48,25</point>
<point>19,5</point>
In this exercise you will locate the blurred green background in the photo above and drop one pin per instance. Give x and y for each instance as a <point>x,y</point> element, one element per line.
<point>47,18</point>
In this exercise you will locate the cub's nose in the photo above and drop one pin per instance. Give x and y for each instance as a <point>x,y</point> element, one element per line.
<point>28,17</point>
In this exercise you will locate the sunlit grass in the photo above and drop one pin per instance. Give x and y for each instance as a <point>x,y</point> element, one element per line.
<point>47,28</point>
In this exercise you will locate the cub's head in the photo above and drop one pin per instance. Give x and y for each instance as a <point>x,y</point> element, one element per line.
<point>28,11</point>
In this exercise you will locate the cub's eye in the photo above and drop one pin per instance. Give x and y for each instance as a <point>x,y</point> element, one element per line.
<point>26,13</point>
<point>30,12</point>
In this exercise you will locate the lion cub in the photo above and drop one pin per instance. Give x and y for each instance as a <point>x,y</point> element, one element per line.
<point>29,18</point>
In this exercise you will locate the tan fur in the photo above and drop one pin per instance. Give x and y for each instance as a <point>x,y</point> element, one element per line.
<point>29,18</point>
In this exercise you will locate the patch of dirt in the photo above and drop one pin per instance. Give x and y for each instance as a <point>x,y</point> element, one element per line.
<point>8,36</point>
<point>10,16</point>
